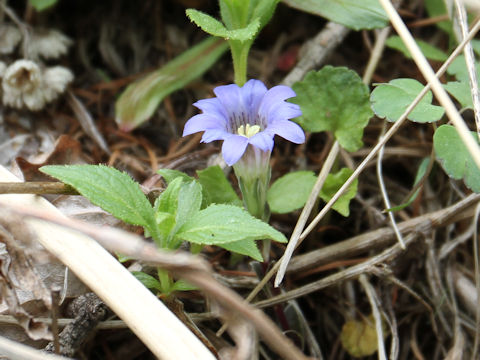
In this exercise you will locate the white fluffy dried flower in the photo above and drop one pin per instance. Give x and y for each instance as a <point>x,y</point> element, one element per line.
<point>3,67</point>
<point>25,84</point>
<point>10,36</point>
<point>48,43</point>
<point>55,81</point>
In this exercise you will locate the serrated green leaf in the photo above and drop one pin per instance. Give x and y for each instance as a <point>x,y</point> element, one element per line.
<point>357,15</point>
<point>455,158</point>
<point>165,225</point>
<point>214,27</point>
<point>332,184</point>
<point>458,68</point>
<point>216,188</point>
<point>334,99</point>
<point>147,280</point>
<point>170,174</point>
<point>460,90</point>
<point>221,224</point>
<point>178,203</point>
<point>430,51</point>
<point>189,202</point>
<point>139,101</point>
<point>392,99</point>
<point>41,5</point>
<point>246,247</point>
<point>110,189</point>
<point>291,191</point>
<point>167,202</point>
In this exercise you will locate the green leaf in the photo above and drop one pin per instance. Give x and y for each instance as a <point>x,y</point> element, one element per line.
<point>165,225</point>
<point>246,247</point>
<point>460,90</point>
<point>221,224</point>
<point>216,28</point>
<point>355,14</point>
<point>430,52</point>
<point>178,203</point>
<point>112,190</point>
<point>168,200</point>
<point>140,100</point>
<point>392,99</point>
<point>147,280</point>
<point>332,184</point>
<point>189,202</point>
<point>262,9</point>
<point>291,191</point>
<point>455,158</point>
<point>216,188</point>
<point>476,46</point>
<point>436,8</point>
<point>169,175</point>
<point>182,285</point>
<point>336,100</point>
<point>41,5</point>
<point>458,68</point>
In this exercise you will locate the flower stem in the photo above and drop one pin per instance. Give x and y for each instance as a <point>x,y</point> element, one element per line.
<point>240,57</point>
<point>254,192</point>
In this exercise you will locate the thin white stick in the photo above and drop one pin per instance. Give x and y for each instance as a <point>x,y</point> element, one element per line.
<point>160,330</point>
<point>477,283</point>
<point>307,209</point>
<point>16,351</point>
<point>437,88</point>
<point>372,299</point>
<point>386,200</point>
<point>470,61</point>
<point>382,38</point>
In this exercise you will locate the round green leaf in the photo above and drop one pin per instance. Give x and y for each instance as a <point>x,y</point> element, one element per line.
<point>460,90</point>
<point>392,99</point>
<point>336,100</point>
<point>455,158</point>
<point>291,191</point>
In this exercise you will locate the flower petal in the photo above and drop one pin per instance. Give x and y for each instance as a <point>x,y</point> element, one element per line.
<point>252,93</point>
<point>212,106</point>
<point>214,134</point>
<point>233,148</point>
<point>274,96</point>
<point>288,130</point>
<point>202,122</point>
<point>284,111</point>
<point>263,140</point>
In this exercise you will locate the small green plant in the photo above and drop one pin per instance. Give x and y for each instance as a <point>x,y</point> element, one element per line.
<point>188,210</point>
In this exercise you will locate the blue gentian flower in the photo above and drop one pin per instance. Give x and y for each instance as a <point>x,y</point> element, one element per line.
<point>246,119</point>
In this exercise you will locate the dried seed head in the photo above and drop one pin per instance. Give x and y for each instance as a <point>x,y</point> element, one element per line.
<point>49,44</point>
<point>25,84</point>
<point>10,36</point>
<point>55,81</point>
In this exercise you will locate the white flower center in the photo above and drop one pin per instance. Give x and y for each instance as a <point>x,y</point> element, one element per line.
<point>248,130</point>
